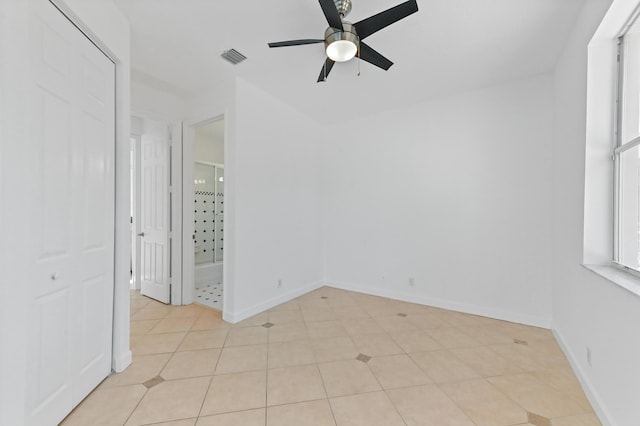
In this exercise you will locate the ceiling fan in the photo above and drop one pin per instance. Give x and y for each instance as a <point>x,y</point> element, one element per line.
<point>343,40</point>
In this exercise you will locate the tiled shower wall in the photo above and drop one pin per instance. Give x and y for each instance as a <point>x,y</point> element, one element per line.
<point>208,213</point>
<point>219,222</point>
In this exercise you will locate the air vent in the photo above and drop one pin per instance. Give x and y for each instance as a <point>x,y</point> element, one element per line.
<point>233,56</point>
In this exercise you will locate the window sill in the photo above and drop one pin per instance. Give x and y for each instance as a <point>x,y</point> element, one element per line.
<point>624,279</point>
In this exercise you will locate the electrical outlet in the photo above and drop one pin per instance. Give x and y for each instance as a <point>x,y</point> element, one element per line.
<point>589,356</point>
<point>412,282</point>
<point>280,283</point>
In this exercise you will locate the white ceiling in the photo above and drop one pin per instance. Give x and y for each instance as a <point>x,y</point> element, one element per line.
<point>448,46</point>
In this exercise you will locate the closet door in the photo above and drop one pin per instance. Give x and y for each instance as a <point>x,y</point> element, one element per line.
<point>71,281</point>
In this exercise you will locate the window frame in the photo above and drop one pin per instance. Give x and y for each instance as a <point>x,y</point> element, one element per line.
<point>615,156</point>
<point>619,148</point>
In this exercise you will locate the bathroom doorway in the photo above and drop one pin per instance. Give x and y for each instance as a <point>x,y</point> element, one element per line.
<point>208,209</point>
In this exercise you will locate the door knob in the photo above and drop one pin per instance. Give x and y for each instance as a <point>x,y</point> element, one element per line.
<point>141,234</point>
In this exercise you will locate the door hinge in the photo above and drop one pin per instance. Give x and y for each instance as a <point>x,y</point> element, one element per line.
<point>619,49</point>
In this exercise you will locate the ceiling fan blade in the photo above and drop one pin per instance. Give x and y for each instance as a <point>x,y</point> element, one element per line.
<point>375,23</point>
<point>326,69</point>
<point>296,42</point>
<point>373,57</point>
<point>331,13</point>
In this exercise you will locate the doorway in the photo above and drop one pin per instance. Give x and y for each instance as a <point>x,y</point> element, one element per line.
<point>208,207</point>
<point>155,209</point>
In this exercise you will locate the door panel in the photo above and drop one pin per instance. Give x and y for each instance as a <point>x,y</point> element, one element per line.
<point>95,216</point>
<point>52,389</point>
<point>55,172</point>
<point>51,366</point>
<point>94,204</point>
<point>154,223</point>
<point>71,282</point>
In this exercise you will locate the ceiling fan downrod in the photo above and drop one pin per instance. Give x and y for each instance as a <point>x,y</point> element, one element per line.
<point>343,6</point>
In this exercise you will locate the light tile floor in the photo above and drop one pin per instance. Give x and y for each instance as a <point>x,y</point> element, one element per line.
<point>333,357</point>
<point>210,295</point>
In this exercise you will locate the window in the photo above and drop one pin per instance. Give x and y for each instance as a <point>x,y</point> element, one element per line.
<point>627,152</point>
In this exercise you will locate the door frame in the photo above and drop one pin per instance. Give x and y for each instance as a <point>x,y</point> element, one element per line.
<point>135,207</point>
<point>188,255</point>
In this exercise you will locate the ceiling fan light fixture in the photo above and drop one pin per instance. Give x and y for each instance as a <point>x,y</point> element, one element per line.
<point>342,50</point>
<point>342,46</point>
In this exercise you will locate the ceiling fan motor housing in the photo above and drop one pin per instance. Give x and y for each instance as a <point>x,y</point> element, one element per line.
<point>331,35</point>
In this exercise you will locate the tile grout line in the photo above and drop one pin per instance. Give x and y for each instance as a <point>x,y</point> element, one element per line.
<point>455,403</point>
<point>211,378</point>
<point>266,372</point>
<point>378,380</point>
<point>147,389</point>
<point>385,390</point>
<point>317,364</point>
<point>437,385</point>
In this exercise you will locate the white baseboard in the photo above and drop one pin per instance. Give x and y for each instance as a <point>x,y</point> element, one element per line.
<point>589,389</point>
<point>445,304</point>
<point>234,317</point>
<point>122,362</point>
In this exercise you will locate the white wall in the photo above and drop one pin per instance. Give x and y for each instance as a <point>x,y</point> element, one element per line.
<point>209,143</point>
<point>589,311</point>
<point>155,103</point>
<point>13,245</point>
<point>455,193</point>
<point>272,204</point>
<point>104,23</point>
<point>274,168</point>
<point>213,102</point>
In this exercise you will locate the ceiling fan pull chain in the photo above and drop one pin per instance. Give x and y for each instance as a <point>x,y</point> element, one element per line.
<point>358,63</point>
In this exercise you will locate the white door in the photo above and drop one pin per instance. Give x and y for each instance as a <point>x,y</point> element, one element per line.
<point>72,133</point>
<point>154,214</point>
